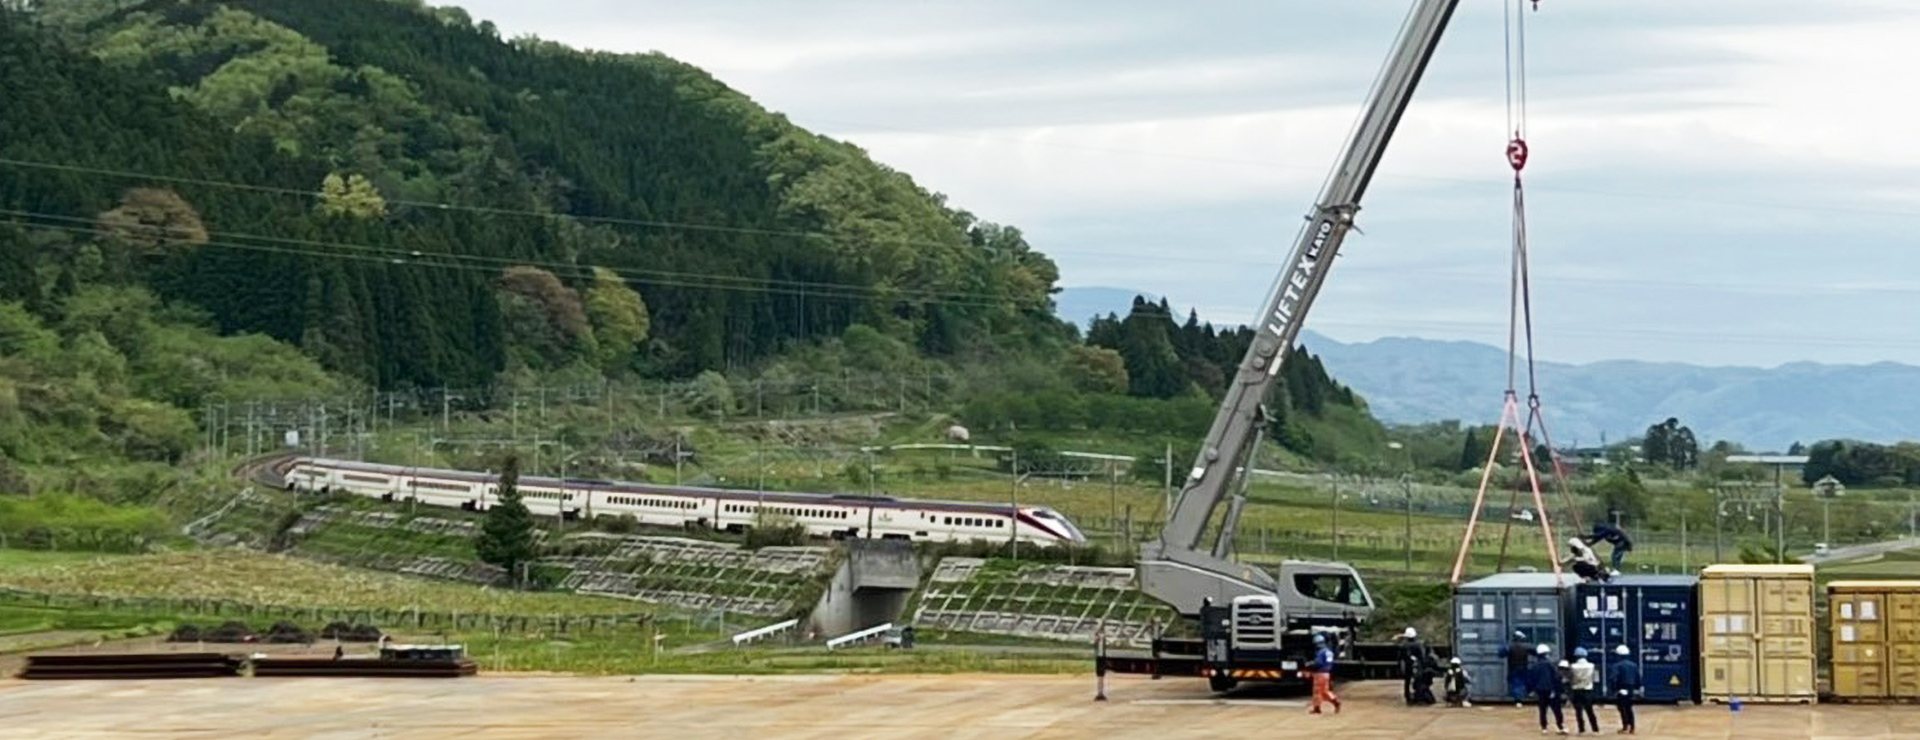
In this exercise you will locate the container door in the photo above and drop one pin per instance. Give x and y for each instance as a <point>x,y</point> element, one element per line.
<point>1602,625</point>
<point>1903,645</point>
<point>1727,641</point>
<point>1859,655</point>
<point>1480,631</point>
<point>1662,638</point>
<point>1538,614</point>
<point>1786,637</point>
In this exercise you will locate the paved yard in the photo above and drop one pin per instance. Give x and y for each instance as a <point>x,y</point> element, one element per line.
<point>826,707</point>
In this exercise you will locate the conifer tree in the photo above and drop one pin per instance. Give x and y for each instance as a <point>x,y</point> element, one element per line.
<point>506,535</point>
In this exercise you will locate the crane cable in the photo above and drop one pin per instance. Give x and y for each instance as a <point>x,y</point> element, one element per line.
<point>1520,313</point>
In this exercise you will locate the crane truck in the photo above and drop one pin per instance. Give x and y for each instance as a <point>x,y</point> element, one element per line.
<point>1254,624</point>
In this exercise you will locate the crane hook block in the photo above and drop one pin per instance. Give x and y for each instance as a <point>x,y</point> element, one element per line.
<point>1517,153</point>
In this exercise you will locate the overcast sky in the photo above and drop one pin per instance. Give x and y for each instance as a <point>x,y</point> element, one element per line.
<point>1713,181</point>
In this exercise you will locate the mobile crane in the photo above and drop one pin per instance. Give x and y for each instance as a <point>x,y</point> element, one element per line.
<point>1254,624</point>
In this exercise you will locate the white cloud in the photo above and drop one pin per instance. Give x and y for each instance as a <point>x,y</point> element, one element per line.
<point>1701,168</point>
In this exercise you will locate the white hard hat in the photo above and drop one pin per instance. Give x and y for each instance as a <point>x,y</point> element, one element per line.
<point>1622,650</point>
<point>1544,648</point>
<point>1575,542</point>
<point>1454,660</point>
<point>1410,633</point>
<point>1563,664</point>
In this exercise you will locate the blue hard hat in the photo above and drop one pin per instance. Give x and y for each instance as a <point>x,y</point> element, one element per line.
<point>1579,652</point>
<point>1319,639</point>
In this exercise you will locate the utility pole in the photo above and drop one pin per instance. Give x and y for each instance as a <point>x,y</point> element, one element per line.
<point>1013,499</point>
<point>676,460</point>
<point>1336,518</point>
<point>443,409</point>
<point>1166,486</point>
<point>1683,541</point>
<point>1406,483</point>
<point>1780,507</point>
<point>1113,495</point>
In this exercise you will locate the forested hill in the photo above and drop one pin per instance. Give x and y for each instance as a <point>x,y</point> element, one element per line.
<point>355,176</point>
<point>253,200</point>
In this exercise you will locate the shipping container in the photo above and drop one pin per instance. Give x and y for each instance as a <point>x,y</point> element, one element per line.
<point>1488,612</point>
<point>1656,618</point>
<point>1757,632</point>
<point>1875,633</point>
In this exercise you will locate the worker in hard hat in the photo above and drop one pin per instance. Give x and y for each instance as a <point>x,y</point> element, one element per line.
<point>1323,675</point>
<point>1543,678</point>
<point>1580,688</point>
<point>1456,682</point>
<point>1585,563</point>
<point>1517,651</point>
<point>1416,669</point>
<point>1623,677</point>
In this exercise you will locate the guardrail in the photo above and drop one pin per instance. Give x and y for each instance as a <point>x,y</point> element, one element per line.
<point>853,637</point>
<point>755,634</point>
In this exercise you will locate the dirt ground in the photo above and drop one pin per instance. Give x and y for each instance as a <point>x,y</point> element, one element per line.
<point>992,707</point>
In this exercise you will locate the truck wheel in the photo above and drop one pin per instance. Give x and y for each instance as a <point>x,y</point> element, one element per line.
<point>1220,683</point>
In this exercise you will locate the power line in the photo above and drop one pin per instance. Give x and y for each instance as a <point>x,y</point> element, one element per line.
<point>642,274</point>
<point>699,280</point>
<point>488,210</point>
<point>401,258</point>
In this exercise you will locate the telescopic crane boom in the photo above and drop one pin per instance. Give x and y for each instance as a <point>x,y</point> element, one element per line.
<point>1179,568</point>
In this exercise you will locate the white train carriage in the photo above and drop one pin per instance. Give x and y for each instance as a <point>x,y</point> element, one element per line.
<point>823,515</point>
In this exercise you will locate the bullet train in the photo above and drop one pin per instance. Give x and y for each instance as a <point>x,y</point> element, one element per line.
<point>836,516</point>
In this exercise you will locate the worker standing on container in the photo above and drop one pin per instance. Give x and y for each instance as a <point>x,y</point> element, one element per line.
<point>1516,652</point>
<point>1580,688</point>
<point>1612,535</point>
<point>1323,675</point>
<point>1544,678</point>
<point>1624,679</point>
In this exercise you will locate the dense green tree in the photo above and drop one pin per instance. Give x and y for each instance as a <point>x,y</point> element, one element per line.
<point>505,538</point>
<point>1621,491</point>
<point>1670,444</point>
<point>619,318</point>
<point>352,196</point>
<point>1098,370</point>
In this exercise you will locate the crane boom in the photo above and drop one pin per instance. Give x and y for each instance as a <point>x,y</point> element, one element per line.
<point>1178,568</point>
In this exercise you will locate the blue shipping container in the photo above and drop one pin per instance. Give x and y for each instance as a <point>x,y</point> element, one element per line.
<point>1487,613</point>
<point>1656,617</point>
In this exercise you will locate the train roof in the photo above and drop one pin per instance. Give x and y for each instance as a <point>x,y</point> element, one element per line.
<point>662,489</point>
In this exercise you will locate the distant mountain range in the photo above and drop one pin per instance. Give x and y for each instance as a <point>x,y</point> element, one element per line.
<point>1407,380</point>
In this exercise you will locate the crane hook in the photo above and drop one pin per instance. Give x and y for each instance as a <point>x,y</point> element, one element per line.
<point>1517,153</point>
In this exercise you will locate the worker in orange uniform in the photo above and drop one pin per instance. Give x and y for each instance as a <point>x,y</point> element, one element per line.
<point>1323,675</point>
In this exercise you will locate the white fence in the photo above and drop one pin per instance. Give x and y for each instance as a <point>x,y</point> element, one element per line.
<point>755,634</point>
<point>853,637</point>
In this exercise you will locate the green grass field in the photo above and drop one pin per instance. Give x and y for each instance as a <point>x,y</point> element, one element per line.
<point>256,578</point>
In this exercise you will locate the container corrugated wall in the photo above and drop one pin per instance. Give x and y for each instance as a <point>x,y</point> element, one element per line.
<point>1757,632</point>
<point>1875,632</point>
<point>1486,613</point>
<point>1654,616</point>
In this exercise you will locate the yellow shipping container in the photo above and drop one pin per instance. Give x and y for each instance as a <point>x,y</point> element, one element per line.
<point>1757,631</point>
<point>1876,638</point>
